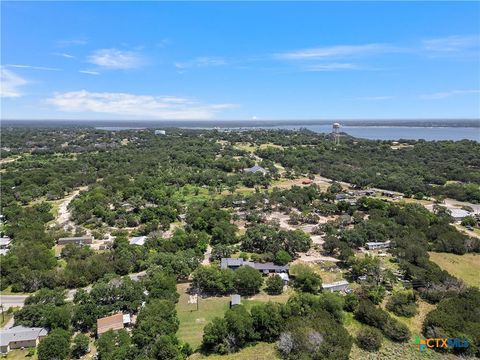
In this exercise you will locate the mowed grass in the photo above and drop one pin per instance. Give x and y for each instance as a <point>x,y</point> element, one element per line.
<point>465,267</point>
<point>192,321</point>
<point>19,354</point>
<point>259,351</point>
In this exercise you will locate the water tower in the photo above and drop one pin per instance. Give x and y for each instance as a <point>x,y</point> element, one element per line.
<point>336,133</point>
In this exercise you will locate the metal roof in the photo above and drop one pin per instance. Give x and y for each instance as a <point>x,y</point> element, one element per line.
<point>21,333</point>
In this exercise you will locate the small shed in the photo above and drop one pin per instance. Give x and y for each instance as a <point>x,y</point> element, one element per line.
<point>235,300</point>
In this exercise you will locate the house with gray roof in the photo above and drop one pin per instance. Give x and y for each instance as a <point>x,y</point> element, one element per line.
<point>19,337</point>
<point>77,240</point>
<point>265,268</point>
<point>255,169</point>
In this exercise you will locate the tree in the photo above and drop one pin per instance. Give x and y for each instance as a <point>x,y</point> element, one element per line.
<point>55,345</point>
<point>80,346</point>
<point>402,303</point>
<point>267,320</point>
<point>248,280</point>
<point>166,347</point>
<point>240,327</point>
<point>274,285</point>
<point>161,286</point>
<point>113,345</point>
<point>308,281</point>
<point>282,257</point>
<point>369,338</point>
<point>214,336</point>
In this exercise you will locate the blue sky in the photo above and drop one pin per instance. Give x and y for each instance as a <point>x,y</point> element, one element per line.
<point>232,60</point>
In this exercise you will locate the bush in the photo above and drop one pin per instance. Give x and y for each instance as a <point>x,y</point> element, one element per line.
<point>55,345</point>
<point>80,346</point>
<point>369,338</point>
<point>282,257</point>
<point>307,281</point>
<point>274,285</point>
<point>402,304</point>
<point>351,302</point>
<point>396,331</point>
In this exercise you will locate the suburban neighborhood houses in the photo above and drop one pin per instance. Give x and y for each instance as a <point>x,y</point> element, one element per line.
<point>19,337</point>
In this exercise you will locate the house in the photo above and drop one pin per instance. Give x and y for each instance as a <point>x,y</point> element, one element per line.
<point>377,245</point>
<point>269,267</point>
<point>4,245</point>
<point>336,286</point>
<point>112,322</point>
<point>160,132</point>
<point>20,337</point>
<point>137,240</point>
<point>458,214</point>
<point>80,240</point>
<point>256,169</point>
<point>307,181</point>
<point>235,300</point>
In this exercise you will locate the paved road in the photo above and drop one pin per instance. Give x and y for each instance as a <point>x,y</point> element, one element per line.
<point>9,301</point>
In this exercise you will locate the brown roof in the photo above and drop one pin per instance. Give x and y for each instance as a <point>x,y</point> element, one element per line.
<point>113,322</point>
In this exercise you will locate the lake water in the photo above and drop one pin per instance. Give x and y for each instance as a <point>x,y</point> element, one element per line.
<point>395,132</point>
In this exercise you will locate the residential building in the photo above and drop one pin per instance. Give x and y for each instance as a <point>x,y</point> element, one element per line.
<point>269,267</point>
<point>256,169</point>
<point>112,322</point>
<point>160,132</point>
<point>80,240</point>
<point>5,242</point>
<point>137,240</point>
<point>19,337</point>
<point>377,245</point>
<point>458,214</point>
<point>284,276</point>
<point>336,286</point>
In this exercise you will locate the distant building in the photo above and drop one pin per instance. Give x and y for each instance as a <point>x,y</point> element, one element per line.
<point>137,240</point>
<point>256,169</point>
<point>235,300</point>
<point>269,267</point>
<point>336,286</point>
<point>81,240</point>
<point>112,322</point>
<point>5,245</point>
<point>377,245</point>
<point>19,337</point>
<point>160,132</point>
<point>458,214</point>
<point>307,182</point>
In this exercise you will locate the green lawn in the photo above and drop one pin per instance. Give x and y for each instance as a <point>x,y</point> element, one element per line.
<point>465,267</point>
<point>19,355</point>
<point>260,351</point>
<point>192,321</point>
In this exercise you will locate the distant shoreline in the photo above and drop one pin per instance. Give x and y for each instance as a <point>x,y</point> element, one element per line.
<point>421,123</point>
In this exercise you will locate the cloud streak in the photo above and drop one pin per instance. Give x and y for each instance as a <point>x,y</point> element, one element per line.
<point>203,61</point>
<point>452,44</point>
<point>116,59</point>
<point>158,107</point>
<point>332,67</point>
<point>10,83</point>
<point>89,72</point>
<point>447,94</point>
<point>20,66</point>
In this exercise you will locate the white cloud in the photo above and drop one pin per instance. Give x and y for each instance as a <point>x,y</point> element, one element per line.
<point>19,66</point>
<point>204,61</point>
<point>65,55</point>
<point>336,51</point>
<point>158,107</point>
<point>89,72</point>
<point>9,83</point>
<point>332,67</point>
<point>452,44</point>
<point>115,59</point>
<point>447,94</point>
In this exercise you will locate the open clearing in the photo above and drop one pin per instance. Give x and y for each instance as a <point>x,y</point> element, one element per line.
<point>465,267</point>
<point>260,351</point>
<point>192,321</point>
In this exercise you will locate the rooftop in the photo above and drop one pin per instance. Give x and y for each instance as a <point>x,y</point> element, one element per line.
<point>137,240</point>
<point>21,333</point>
<point>113,322</point>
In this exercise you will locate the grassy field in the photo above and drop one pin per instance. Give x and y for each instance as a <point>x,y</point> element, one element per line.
<point>192,321</point>
<point>260,351</point>
<point>465,267</point>
<point>19,355</point>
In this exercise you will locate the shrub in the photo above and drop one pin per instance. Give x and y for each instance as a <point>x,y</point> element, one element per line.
<point>274,285</point>
<point>282,257</point>
<point>369,338</point>
<point>307,281</point>
<point>403,304</point>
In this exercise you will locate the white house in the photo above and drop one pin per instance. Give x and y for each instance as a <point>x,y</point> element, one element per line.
<point>336,286</point>
<point>377,245</point>
<point>458,214</point>
<point>137,240</point>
